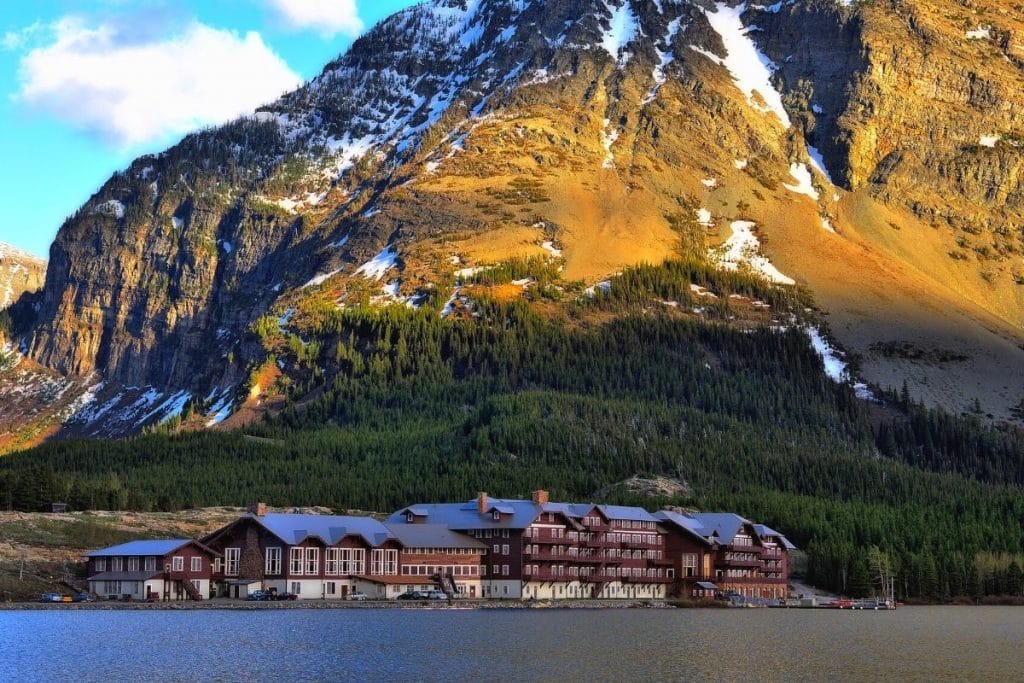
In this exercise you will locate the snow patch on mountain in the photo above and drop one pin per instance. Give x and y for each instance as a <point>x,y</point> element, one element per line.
<point>744,249</point>
<point>751,70</point>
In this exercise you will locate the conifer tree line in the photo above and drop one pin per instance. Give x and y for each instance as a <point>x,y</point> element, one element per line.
<point>412,407</point>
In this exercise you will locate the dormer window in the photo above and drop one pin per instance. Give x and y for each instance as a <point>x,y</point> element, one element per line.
<point>496,515</point>
<point>409,517</point>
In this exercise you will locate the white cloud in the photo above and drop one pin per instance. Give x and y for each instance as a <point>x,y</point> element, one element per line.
<point>328,17</point>
<point>15,40</point>
<point>131,90</point>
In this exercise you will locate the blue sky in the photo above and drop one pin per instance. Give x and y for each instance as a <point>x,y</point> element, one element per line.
<point>88,85</point>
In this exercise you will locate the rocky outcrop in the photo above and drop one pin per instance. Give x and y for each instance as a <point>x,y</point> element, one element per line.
<point>20,272</point>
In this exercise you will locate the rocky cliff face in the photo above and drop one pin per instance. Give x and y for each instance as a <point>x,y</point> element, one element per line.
<point>20,272</point>
<point>465,132</point>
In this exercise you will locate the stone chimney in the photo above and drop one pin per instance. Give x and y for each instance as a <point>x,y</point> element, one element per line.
<point>481,502</point>
<point>540,497</point>
<point>258,509</point>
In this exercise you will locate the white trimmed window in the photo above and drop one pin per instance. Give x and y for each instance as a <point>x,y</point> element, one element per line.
<point>391,562</point>
<point>196,564</point>
<point>689,564</point>
<point>377,561</point>
<point>295,558</point>
<point>313,561</point>
<point>231,559</point>
<point>150,564</point>
<point>272,563</point>
<point>116,564</point>
<point>177,563</point>
<point>101,564</point>
<point>133,564</point>
<point>332,561</point>
<point>504,570</point>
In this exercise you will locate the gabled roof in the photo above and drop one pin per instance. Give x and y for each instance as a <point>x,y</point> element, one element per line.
<point>683,522</point>
<point>142,548</point>
<point>763,530</point>
<point>294,529</point>
<point>432,536</point>
<point>627,513</point>
<point>723,525</point>
<point>516,514</point>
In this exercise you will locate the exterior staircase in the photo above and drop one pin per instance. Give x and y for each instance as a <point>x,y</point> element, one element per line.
<point>190,590</point>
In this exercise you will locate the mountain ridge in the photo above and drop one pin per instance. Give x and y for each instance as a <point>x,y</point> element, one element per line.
<point>457,135</point>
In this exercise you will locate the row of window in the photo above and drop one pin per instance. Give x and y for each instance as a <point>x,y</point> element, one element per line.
<point>306,561</point>
<point>610,536</point>
<point>573,570</point>
<point>454,570</point>
<point>489,533</point>
<point>445,551</point>
<point>149,564</point>
<point>617,553</point>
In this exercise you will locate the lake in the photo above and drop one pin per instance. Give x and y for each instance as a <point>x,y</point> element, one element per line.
<point>917,643</point>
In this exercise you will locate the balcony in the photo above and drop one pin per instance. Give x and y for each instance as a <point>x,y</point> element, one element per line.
<point>747,564</point>
<point>756,549</point>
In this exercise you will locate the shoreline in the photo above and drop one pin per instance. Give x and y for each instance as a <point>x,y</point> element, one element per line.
<point>246,605</point>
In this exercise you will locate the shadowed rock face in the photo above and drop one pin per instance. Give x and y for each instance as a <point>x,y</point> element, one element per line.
<point>20,272</point>
<point>156,278</point>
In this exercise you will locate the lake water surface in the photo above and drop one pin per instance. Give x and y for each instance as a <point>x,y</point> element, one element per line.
<point>923,643</point>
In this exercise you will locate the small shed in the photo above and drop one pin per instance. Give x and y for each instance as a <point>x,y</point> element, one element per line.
<point>58,507</point>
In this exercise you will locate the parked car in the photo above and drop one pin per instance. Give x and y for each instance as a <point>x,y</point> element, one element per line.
<point>357,596</point>
<point>51,597</point>
<point>258,596</point>
<point>284,596</point>
<point>437,595</point>
<point>413,595</point>
<point>82,597</point>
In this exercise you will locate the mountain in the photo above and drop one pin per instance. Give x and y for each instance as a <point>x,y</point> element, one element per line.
<point>20,272</point>
<point>867,151</point>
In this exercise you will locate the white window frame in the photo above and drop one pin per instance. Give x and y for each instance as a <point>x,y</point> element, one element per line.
<point>116,564</point>
<point>272,561</point>
<point>196,564</point>
<point>101,564</point>
<point>332,561</point>
<point>312,563</point>
<point>232,558</point>
<point>149,564</point>
<point>296,561</point>
<point>177,563</point>
<point>133,564</point>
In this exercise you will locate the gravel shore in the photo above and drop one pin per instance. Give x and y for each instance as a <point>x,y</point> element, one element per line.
<point>226,604</point>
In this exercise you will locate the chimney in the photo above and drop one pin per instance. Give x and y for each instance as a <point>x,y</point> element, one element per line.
<point>481,502</point>
<point>258,509</point>
<point>540,497</point>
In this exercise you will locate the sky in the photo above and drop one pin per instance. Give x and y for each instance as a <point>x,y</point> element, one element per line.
<point>88,85</point>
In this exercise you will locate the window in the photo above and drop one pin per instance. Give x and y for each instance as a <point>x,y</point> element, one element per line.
<point>496,569</point>
<point>330,588</point>
<point>295,556</point>
<point>116,564</point>
<point>101,564</point>
<point>196,583</point>
<point>332,561</point>
<point>196,564</point>
<point>150,564</point>
<point>296,585</point>
<point>496,515</point>
<point>353,561</point>
<point>231,557</point>
<point>272,564</point>
<point>689,564</point>
<point>504,570</point>
<point>133,564</point>
<point>391,562</point>
<point>313,561</point>
<point>497,548</point>
<point>177,563</point>
<point>504,550</point>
